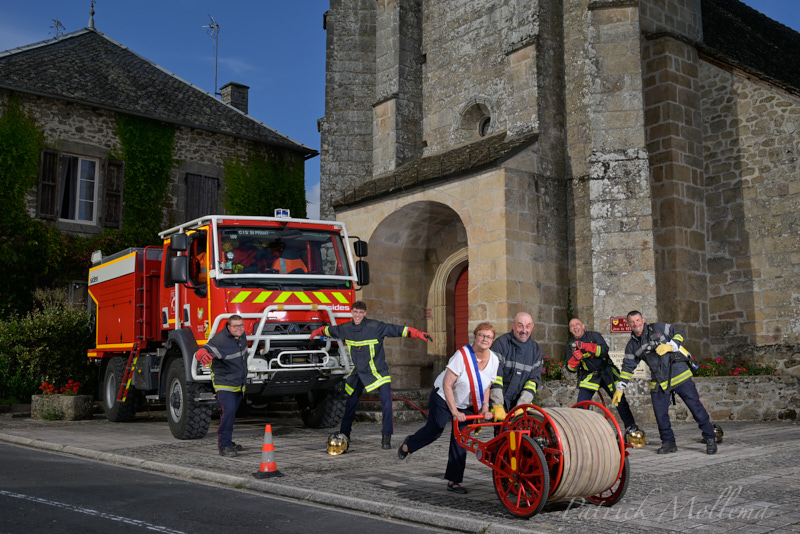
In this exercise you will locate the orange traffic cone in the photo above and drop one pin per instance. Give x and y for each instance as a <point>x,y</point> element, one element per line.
<point>268,467</point>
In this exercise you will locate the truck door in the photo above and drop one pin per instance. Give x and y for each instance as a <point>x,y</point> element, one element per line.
<point>194,304</point>
<point>185,304</point>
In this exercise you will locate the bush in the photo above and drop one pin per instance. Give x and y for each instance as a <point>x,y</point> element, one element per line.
<point>47,344</point>
<point>16,385</point>
<point>553,369</point>
<point>720,367</point>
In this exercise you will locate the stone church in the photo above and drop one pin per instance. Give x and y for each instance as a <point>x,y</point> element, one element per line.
<point>569,158</point>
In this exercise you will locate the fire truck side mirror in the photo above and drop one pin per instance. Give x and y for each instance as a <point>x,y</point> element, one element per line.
<point>360,248</point>
<point>179,269</point>
<point>179,242</point>
<point>362,272</point>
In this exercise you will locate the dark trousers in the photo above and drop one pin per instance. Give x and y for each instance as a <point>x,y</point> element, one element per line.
<point>438,417</point>
<point>229,403</point>
<point>688,392</point>
<point>624,408</point>
<point>385,395</point>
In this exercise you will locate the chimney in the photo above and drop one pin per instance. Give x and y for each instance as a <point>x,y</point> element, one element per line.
<point>235,94</point>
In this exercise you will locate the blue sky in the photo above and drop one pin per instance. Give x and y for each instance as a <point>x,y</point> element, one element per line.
<point>276,47</point>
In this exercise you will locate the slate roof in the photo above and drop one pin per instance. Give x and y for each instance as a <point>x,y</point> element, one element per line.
<point>90,68</point>
<point>751,41</point>
<point>441,166</point>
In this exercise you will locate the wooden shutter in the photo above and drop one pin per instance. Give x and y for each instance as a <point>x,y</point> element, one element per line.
<point>201,195</point>
<point>48,184</point>
<point>115,178</point>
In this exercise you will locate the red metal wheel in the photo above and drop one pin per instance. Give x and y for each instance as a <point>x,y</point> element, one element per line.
<point>543,429</point>
<point>612,495</point>
<point>521,479</point>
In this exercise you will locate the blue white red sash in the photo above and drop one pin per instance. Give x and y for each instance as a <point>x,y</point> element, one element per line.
<point>474,375</point>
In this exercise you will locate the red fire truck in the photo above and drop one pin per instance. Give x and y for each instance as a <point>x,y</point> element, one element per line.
<point>155,306</point>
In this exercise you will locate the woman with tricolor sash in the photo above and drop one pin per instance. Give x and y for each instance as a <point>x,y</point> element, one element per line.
<point>461,389</point>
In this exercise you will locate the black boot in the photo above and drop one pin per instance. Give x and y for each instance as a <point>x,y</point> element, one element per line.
<point>386,441</point>
<point>667,448</point>
<point>711,446</point>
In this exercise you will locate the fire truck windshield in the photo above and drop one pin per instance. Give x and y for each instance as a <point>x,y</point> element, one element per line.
<point>265,254</point>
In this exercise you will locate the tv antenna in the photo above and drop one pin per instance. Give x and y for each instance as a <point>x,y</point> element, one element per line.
<point>213,31</point>
<point>57,27</point>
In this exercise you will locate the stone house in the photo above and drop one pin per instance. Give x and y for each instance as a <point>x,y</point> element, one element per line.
<point>568,158</point>
<point>77,84</point>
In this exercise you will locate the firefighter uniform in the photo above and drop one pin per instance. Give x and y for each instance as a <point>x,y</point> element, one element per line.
<point>519,375</point>
<point>228,374</point>
<point>669,374</point>
<point>370,370</point>
<point>596,370</point>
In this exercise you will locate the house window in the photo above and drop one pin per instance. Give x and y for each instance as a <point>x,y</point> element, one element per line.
<point>77,189</point>
<point>69,189</point>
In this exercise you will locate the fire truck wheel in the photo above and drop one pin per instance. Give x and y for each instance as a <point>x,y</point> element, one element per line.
<point>117,412</point>
<point>323,409</point>
<point>188,418</point>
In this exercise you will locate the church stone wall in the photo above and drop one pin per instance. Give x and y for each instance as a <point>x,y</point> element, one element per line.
<point>752,141</point>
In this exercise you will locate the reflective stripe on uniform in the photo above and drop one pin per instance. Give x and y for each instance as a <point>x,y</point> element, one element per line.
<point>674,381</point>
<point>379,378</point>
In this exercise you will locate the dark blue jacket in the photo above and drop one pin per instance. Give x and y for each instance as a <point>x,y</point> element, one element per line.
<point>365,342</point>
<point>667,370</point>
<point>520,367</point>
<point>229,366</point>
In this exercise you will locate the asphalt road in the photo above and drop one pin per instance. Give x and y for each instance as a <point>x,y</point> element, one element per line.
<point>45,492</point>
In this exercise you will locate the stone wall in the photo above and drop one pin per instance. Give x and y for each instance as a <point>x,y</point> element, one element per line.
<point>478,53</point>
<point>347,128</point>
<point>85,131</point>
<point>727,398</point>
<point>752,172</point>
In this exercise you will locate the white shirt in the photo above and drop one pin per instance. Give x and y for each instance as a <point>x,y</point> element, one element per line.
<point>461,389</point>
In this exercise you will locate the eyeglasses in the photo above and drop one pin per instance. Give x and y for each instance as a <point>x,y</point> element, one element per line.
<point>236,325</point>
<point>485,336</point>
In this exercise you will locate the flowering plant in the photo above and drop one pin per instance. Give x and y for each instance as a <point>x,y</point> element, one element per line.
<point>553,369</point>
<point>71,388</point>
<point>720,367</point>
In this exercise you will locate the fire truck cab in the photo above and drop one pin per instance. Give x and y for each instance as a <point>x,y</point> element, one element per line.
<point>285,277</point>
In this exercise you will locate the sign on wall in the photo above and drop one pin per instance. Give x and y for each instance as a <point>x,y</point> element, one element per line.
<point>641,372</point>
<point>619,325</point>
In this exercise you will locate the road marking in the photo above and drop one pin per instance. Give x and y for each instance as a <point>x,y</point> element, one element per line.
<point>88,511</point>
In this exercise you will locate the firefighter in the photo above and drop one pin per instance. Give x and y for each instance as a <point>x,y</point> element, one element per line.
<point>520,373</point>
<point>226,355</point>
<point>587,354</point>
<point>364,339</point>
<point>660,345</point>
<point>289,262</point>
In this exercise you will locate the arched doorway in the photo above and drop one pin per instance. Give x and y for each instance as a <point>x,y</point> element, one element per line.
<point>415,254</point>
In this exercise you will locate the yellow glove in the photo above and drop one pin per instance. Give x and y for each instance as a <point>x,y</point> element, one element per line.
<point>519,412</point>
<point>617,397</point>
<point>663,349</point>
<point>499,413</point>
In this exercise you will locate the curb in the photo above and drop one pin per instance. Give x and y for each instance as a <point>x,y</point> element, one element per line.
<point>333,500</point>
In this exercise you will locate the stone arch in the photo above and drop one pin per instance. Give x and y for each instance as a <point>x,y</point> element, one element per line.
<point>408,248</point>
<point>438,303</point>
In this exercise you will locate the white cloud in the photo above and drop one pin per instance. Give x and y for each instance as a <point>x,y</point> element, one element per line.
<point>237,66</point>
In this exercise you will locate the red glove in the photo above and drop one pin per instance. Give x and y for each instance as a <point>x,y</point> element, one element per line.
<point>318,332</point>
<point>575,361</point>
<point>587,347</point>
<point>424,336</point>
<point>203,356</point>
